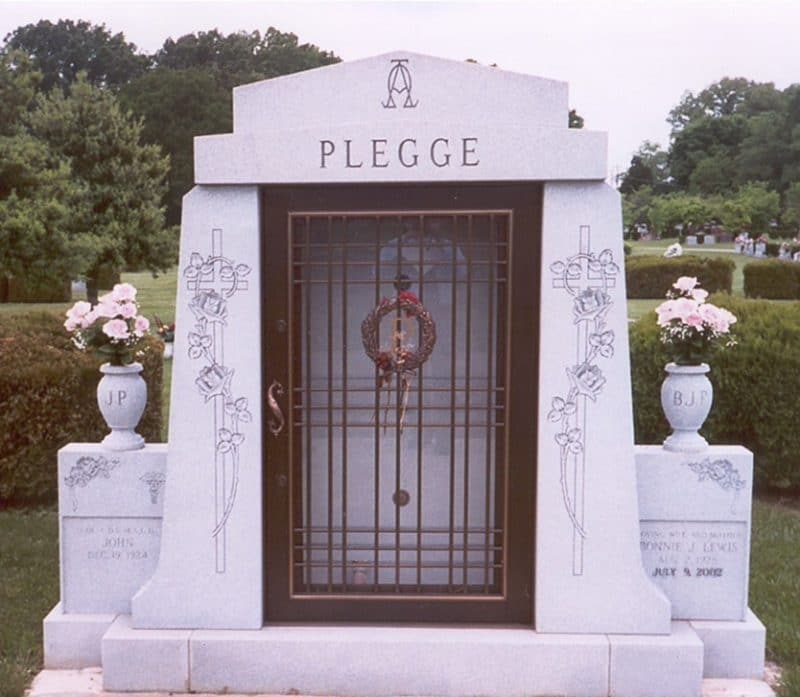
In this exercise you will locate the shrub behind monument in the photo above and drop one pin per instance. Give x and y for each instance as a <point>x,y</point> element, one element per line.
<point>48,393</point>
<point>652,276</point>
<point>772,278</point>
<point>756,386</point>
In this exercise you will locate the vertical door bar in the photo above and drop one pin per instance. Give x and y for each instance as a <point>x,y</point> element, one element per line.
<point>344,246</point>
<point>307,416</point>
<point>491,393</point>
<point>397,411</point>
<point>453,419</point>
<point>420,409</point>
<point>467,386</point>
<point>377,417</point>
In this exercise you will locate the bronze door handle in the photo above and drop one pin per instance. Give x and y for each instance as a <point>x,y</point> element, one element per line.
<point>276,421</point>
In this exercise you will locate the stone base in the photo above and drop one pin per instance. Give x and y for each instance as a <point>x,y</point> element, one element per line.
<point>88,683</point>
<point>733,649</point>
<point>73,641</point>
<point>374,661</point>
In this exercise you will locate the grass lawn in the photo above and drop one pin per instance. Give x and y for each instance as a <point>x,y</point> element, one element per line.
<point>29,589</point>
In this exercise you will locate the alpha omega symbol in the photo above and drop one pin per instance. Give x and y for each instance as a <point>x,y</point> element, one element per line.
<point>399,83</point>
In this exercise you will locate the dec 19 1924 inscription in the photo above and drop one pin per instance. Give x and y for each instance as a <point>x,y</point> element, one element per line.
<point>106,560</point>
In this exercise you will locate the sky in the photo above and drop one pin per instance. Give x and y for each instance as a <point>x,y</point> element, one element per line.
<point>627,62</point>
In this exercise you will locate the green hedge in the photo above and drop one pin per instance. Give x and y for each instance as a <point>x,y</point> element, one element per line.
<point>756,387</point>
<point>775,279</point>
<point>16,290</point>
<point>48,393</point>
<point>651,276</point>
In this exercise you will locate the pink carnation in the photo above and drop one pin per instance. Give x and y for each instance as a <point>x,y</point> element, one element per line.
<point>685,307</point>
<point>116,329</point>
<point>123,291</point>
<point>666,313</point>
<point>699,294</point>
<point>127,310</point>
<point>141,325</point>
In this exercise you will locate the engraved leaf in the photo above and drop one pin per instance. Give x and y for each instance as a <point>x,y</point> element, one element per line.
<point>574,270</point>
<point>242,270</point>
<point>226,273</point>
<point>557,267</point>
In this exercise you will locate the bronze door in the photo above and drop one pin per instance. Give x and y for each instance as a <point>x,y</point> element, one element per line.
<point>400,381</point>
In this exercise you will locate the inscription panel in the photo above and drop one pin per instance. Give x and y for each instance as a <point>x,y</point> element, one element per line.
<point>105,561</point>
<point>701,566</point>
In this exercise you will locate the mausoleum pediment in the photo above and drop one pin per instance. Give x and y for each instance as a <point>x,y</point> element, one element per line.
<point>400,117</point>
<point>399,86</point>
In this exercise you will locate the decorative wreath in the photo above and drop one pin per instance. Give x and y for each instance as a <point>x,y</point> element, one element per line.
<point>401,358</point>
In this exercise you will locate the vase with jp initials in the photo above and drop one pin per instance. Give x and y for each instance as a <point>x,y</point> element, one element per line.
<point>686,398</point>
<point>122,397</point>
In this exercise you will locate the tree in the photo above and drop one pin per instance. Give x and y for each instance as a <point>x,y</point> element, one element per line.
<point>18,84</point>
<point>188,91</point>
<point>60,51</point>
<point>752,207</point>
<point>713,174</point>
<point>176,106</point>
<point>762,151</point>
<point>122,180</point>
<point>791,207</point>
<point>704,137</point>
<point>667,212</point>
<point>721,99</point>
<point>649,167</point>
<point>636,207</point>
<point>37,198</point>
<point>242,57</point>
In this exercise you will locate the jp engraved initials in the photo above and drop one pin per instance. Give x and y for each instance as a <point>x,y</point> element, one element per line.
<point>680,399</point>
<point>121,396</point>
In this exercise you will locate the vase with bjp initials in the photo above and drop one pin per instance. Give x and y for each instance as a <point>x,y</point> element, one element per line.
<point>686,398</point>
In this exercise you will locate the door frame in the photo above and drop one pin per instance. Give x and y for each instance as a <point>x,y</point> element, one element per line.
<point>515,606</point>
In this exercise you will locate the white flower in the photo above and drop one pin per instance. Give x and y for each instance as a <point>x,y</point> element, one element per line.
<point>685,284</point>
<point>116,329</point>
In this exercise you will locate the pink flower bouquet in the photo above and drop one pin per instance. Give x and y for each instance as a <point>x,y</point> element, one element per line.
<point>691,328</point>
<point>113,328</point>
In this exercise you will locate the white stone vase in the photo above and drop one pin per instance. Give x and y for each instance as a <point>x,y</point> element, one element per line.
<point>122,396</point>
<point>686,398</point>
